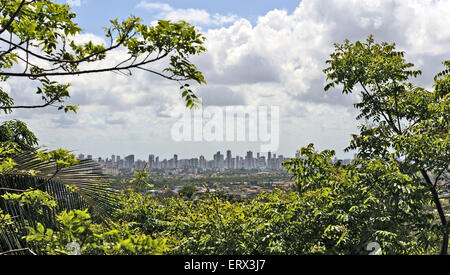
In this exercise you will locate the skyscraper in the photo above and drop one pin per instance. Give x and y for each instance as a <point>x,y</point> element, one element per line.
<point>219,160</point>
<point>129,161</point>
<point>202,162</point>
<point>151,161</point>
<point>249,160</point>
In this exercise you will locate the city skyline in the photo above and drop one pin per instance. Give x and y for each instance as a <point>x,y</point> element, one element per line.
<point>170,155</point>
<point>218,161</point>
<point>115,164</point>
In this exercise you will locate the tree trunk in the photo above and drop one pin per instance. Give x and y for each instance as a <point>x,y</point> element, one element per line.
<point>444,248</point>
<point>437,202</point>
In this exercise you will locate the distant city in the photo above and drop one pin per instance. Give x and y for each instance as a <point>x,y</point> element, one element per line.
<point>116,164</point>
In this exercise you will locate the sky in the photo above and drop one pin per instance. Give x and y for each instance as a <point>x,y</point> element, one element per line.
<point>259,53</point>
<point>92,20</point>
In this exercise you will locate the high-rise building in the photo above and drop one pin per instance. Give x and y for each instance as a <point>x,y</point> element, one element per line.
<point>129,161</point>
<point>240,162</point>
<point>194,163</point>
<point>151,161</point>
<point>139,164</point>
<point>218,160</point>
<point>202,162</point>
<point>261,162</point>
<point>249,162</point>
<point>229,160</point>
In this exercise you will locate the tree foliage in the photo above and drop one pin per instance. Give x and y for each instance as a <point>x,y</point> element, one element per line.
<point>366,201</point>
<point>39,42</point>
<point>405,123</point>
<point>15,133</point>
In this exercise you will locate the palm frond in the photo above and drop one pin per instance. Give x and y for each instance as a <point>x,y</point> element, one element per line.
<point>80,186</point>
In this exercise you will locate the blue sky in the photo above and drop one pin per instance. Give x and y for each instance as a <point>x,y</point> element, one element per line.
<point>93,14</point>
<point>259,53</point>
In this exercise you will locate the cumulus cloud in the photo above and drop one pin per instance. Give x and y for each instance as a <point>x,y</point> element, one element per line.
<point>294,47</point>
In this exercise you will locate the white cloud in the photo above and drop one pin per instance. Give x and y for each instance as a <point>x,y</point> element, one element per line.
<point>194,16</point>
<point>155,6</point>
<point>74,3</point>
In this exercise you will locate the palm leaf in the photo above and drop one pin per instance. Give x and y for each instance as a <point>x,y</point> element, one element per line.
<point>90,185</point>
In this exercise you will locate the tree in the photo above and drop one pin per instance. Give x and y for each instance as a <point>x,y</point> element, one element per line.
<point>16,133</point>
<point>37,41</point>
<point>349,206</point>
<point>404,123</point>
<point>188,191</point>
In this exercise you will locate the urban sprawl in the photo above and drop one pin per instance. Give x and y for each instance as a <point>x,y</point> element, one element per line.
<point>116,164</point>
